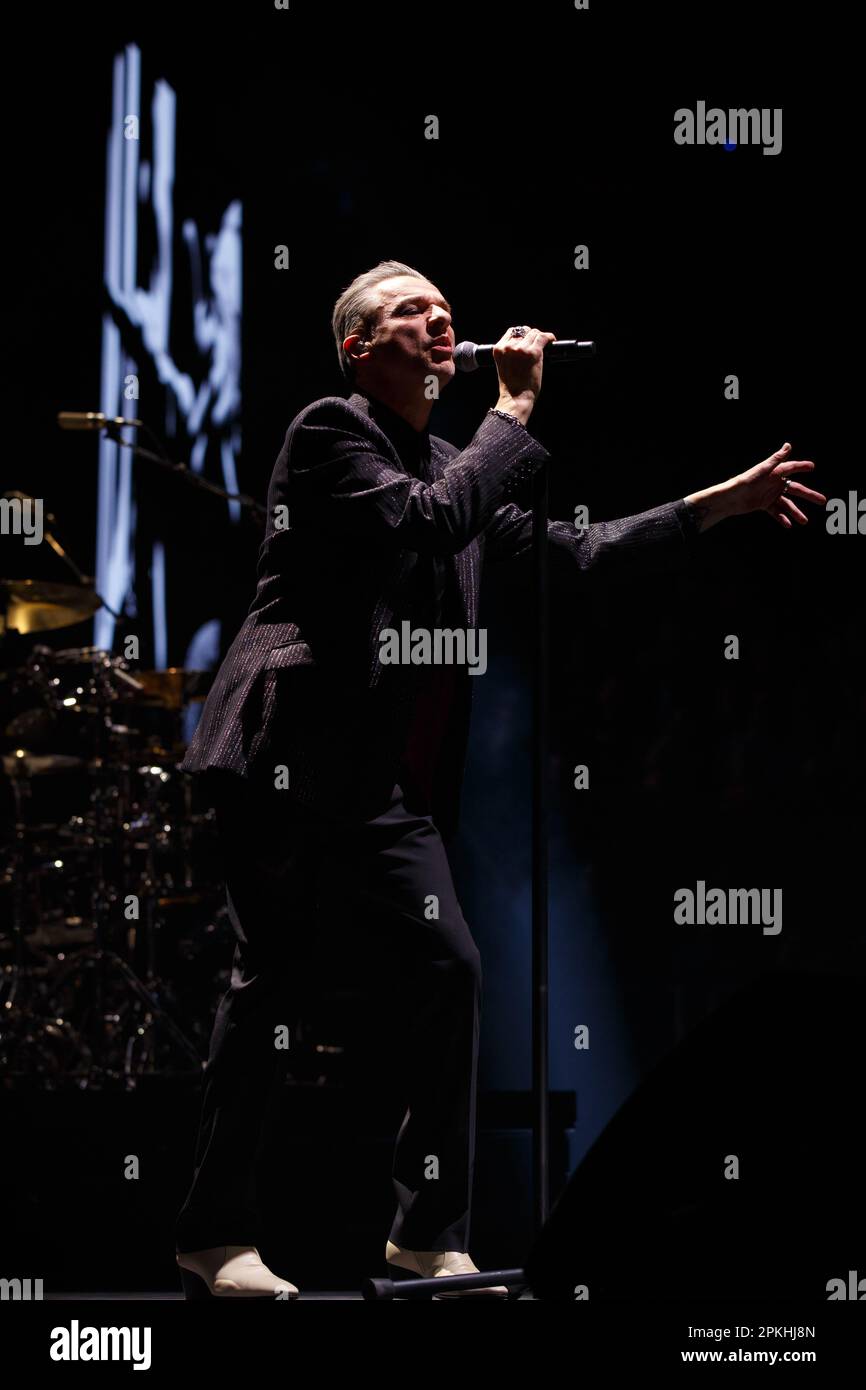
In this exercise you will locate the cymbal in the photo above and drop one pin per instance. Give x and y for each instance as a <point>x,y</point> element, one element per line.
<point>172,687</point>
<point>70,931</point>
<point>22,763</point>
<point>33,605</point>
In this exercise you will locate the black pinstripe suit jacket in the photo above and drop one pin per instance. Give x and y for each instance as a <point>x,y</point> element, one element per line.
<point>301,687</point>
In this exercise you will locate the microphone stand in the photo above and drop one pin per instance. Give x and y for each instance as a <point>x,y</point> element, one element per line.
<point>254,510</point>
<point>540,810</point>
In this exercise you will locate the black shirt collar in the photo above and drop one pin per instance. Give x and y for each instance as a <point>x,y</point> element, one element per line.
<point>411,444</point>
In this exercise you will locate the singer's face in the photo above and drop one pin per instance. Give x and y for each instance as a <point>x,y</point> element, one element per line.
<point>413,338</point>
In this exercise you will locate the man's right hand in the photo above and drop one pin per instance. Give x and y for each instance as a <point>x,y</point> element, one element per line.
<point>519,364</point>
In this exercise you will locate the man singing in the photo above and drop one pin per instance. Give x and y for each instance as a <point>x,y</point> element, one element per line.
<point>336,775</point>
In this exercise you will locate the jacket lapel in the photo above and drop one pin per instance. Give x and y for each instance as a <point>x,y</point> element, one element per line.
<point>465,565</point>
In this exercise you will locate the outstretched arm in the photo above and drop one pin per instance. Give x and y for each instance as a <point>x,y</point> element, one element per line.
<point>661,537</point>
<point>640,544</point>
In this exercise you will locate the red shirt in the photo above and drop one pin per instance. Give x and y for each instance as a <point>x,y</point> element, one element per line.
<point>427,730</point>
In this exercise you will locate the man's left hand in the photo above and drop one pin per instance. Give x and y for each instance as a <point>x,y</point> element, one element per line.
<point>760,489</point>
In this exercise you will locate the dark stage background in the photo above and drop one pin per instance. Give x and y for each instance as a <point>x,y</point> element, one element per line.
<point>703,262</point>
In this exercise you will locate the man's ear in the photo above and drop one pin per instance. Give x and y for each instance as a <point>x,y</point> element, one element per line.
<point>354,345</point>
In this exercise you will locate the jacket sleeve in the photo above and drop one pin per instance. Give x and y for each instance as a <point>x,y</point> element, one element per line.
<point>649,542</point>
<point>338,480</point>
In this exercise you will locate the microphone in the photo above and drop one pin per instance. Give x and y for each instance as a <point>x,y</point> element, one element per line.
<point>91,420</point>
<point>468,357</point>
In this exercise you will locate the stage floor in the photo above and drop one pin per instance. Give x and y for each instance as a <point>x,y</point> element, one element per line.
<point>307,1296</point>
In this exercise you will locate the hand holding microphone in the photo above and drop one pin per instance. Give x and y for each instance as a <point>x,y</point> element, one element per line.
<point>509,356</point>
<point>519,359</point>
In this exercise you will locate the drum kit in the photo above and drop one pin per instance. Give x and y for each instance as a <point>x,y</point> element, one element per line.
<point>111,924</point>
<point>113,927</point>
<point>115,944</point>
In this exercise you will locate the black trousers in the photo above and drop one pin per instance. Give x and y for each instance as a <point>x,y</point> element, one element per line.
<point>389,870</point>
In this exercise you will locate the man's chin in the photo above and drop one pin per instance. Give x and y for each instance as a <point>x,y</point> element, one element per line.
<point>443,371</point>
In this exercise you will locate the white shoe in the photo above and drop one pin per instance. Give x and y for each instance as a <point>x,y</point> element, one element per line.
<point>230,1271</point>
<point>437,1264</point>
